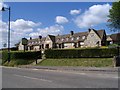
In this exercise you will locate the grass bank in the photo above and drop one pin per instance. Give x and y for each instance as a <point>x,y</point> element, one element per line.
<point>84,62</point>
<point>17,62</point>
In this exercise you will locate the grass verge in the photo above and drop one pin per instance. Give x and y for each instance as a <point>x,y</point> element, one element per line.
<point>17,62</point>
<point>84,62</point>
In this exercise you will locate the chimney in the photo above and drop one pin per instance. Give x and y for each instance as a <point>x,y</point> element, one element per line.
<point>30,38</point>
<point>71,32</point>
<point>89,29</point>
<point>40,37</point>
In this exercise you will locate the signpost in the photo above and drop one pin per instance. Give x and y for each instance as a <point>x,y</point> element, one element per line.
<point>24,42</point>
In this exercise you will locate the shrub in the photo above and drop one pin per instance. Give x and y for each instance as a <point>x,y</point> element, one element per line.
<point>20,56</point>
<point>81,53</point>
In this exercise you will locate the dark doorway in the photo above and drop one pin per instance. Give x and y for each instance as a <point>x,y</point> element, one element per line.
<point>47,46</point>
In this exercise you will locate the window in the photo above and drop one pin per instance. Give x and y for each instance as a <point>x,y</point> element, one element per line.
<point>83,37</point>
<point>58,39</point>
<point>72,38</point>
<point>67,39</point>
<point>92,34</point>
<point>36,42</point>
<point>78,38</point>
<point>62,39</point>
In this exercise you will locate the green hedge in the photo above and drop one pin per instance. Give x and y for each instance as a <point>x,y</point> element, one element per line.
<point>20,55</point>
<point>81,53</point>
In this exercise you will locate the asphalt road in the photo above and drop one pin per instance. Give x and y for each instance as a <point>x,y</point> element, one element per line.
<point>35,78</point>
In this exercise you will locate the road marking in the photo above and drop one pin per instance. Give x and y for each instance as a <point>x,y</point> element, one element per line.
<point>32,78</point>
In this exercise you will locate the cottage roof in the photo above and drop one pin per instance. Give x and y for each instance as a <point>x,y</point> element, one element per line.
<point>36,41</point>
<point>52,37</point>
<point>100,33</point>
<point>115,37</point>
<point>68,38</point>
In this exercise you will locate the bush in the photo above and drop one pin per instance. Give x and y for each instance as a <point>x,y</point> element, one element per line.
<point>81,53</point>
<point>20,56</point>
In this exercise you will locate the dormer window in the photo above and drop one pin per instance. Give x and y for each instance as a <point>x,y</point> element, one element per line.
<point>78,38</point>
<point>67,39</point>
<point>72,38</point>
<point>58,39</point>
<point>36,42</point>
<point>62,39</point>
<point>83,37</point>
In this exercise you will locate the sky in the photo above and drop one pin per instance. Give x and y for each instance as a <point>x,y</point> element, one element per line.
<point>31,19</point>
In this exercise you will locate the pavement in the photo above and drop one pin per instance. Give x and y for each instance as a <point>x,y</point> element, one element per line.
<point>71,68</point>
<point>13,77</point>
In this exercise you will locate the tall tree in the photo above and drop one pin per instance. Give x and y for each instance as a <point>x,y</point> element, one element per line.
<point>114,21</point>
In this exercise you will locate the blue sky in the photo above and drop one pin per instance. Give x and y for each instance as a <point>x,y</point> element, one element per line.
<point>33,19</point>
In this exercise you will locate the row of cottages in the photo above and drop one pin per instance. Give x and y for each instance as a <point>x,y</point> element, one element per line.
<point>90,38</point>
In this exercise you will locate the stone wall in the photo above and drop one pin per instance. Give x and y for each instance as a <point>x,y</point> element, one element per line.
<point>93,40</point>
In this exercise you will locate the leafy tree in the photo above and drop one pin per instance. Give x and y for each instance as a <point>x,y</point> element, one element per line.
<point>114,21</point>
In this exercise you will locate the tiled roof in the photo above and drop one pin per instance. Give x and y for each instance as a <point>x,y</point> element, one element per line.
<point>36,41</point>
<point>100,33</point>
<point>52,37</point>
<point>115,37</point>
<point>68,38</point>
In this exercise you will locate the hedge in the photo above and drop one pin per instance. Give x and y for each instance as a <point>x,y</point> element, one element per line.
<point>20,55</point>
<point>81,53</point>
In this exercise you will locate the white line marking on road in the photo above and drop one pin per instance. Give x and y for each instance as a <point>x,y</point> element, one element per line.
<point>32,78</point>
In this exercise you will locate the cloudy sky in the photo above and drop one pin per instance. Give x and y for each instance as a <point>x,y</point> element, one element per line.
<point>34,19</point>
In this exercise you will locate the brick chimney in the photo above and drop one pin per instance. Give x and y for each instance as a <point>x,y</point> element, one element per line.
<point>40,37</point>
<point>71,32</point>
<point>30,38</point>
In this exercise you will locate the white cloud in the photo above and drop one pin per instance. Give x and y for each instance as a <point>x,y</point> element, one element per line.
<point>96,14</point>
<point>75,12</point>
<point>19,29</point>
<point>1,6</point>
<point>61,20</point>
<point>21,25</point>
<point>52,30</point>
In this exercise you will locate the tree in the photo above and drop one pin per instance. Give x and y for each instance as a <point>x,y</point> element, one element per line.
<point>24,42</point>
<point>114,21</point>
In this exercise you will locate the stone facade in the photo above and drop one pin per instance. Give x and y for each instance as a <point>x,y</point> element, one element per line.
<point>20,46</point>
<point>90,38</point>
<point>93,40</point>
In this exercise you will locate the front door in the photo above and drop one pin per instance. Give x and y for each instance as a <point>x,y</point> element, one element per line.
<point>47,46</point>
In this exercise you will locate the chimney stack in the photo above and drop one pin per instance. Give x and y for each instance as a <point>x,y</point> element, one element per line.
<point>40,37</point>
<point>71,33</point>
<point>89,29</point>
<point>30,38</point>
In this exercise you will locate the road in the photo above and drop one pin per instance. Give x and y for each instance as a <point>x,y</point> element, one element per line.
<point>36,78</point>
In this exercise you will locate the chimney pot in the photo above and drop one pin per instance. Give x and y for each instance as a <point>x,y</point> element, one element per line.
<point>71,32</point>
<point>40,37</point>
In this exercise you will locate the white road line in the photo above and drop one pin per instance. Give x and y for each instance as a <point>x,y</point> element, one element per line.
<point>32,78</point>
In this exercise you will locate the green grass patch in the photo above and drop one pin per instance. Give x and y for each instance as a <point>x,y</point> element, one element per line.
<point>83,62</point>
<point>18,62</point>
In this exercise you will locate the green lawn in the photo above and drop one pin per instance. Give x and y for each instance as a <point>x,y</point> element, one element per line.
<point>84,62</point>
<point>18,62</point>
